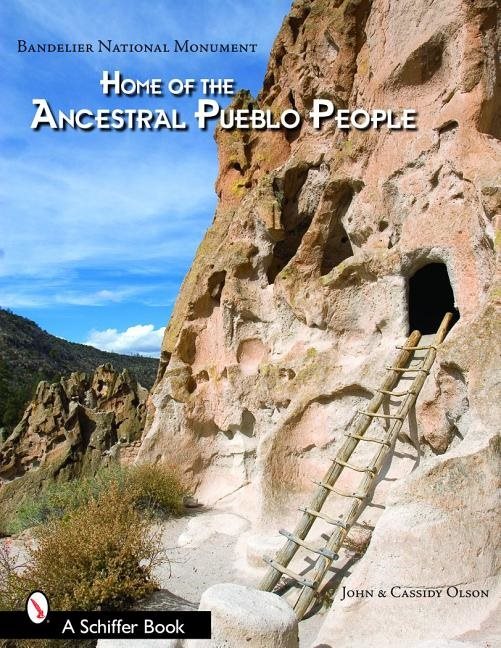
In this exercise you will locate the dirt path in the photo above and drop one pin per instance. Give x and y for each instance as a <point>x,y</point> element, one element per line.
<point>202,550</point>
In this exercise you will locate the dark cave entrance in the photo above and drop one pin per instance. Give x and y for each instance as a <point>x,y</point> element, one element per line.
<point>337,246</point>
<point>285,250</point>
<point>430,298</point>
<point>294,223</point>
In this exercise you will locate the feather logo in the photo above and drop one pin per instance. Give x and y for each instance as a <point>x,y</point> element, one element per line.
<point>40,612</point>
<point>37,607</point>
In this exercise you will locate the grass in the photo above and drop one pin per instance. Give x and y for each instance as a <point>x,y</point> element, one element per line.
<point>152,488</point>
<point>94,545</point>
<point>4,526</point>
<point>99,556</point>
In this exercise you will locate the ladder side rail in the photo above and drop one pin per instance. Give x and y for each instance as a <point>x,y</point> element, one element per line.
<point>322,563</point>
<point>333,545</point>
<point>288,551</point>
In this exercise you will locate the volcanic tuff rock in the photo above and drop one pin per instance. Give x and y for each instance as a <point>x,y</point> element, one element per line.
<point>69,428</point>
<point>300,290</point>
<point>29,354</point>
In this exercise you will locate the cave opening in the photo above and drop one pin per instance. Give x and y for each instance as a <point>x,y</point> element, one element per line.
<point>337,246</point>
<point>294,222</point>
<point>430,298</point>
<point>285,250</point>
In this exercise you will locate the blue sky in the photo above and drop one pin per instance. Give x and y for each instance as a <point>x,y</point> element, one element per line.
<point>97,229</point>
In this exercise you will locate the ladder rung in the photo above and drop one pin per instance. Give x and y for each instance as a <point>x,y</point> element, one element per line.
<point>339,492</point>
<point>369,438</point>
<point>357,468</point>
<point>393,393</point>
<point>323,552</point>
<point>283,570</point>
<point>325,517</point>
<point>417,348</point>
<point>385,416</point>
<point>406,369</point>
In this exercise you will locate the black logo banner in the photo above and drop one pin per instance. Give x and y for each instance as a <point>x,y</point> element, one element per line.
<point>133,624</point>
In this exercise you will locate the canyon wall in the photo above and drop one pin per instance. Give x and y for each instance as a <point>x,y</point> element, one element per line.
<point>299,293</point>
<point>71,428</point>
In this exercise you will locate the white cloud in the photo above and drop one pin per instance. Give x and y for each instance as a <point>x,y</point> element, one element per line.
<point>98,298</point>
<point>144,339</point>
<point>20,296</point>
<point>75,206</point>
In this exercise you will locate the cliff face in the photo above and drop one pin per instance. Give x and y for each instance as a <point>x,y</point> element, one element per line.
<point>304,284</point>
<point>71,428</point>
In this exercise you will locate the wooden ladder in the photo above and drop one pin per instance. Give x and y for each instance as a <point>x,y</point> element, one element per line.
<point>278,566</point>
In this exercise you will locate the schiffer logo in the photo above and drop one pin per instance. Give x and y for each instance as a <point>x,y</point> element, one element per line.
<point>37,607</point>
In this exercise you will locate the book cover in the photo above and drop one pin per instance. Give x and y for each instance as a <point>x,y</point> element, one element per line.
<point>249,325</point>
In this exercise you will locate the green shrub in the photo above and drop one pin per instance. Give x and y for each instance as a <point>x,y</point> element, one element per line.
<point>99,556</point>
<point>10,593</point>
<point>4,526</point>
<point>156,488</point>
<point>153,488</point>
<point>58,499</point>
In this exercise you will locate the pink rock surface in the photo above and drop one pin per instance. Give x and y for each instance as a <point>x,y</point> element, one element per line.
<point>299,291</point>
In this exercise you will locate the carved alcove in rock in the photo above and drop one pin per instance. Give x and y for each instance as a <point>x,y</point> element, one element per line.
<point>294,222</point>
<point>337,246</point>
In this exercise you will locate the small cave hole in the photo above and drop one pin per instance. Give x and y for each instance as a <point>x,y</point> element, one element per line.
<point>186,348</point>
<point>430,298</point>
<point>248,423</point>
<point>295,25</point>
<point>205,304</point>
<point>287,374</point>
<point>423,63</point>
<point>165,357</point>
<point>448,126</point>
<point>215,285</point>
<point>285,250</point>
<point>279,56</point>
<point>337,246</point>
<point>294,224</point>
<point>191,385</point>
<point>202,376</point>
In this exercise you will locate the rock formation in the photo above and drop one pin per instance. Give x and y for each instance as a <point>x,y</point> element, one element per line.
<point>71,428</point>
<point>303,285</point>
